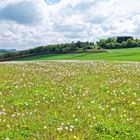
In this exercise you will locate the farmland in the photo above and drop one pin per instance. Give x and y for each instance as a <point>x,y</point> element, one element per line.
<point>131,54</point>
<point>75,100</point>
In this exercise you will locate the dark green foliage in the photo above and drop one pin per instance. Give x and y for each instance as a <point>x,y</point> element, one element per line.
<point>118,43</point>
<point>123,38</point>
<point>58,48</point>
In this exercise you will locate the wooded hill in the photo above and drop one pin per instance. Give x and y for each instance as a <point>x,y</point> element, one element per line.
<point>75,47</point>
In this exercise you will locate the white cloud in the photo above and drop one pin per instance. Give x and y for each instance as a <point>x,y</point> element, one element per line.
<point>66,21</point>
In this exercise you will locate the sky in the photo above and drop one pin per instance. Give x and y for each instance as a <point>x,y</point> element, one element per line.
<point>30,23</point>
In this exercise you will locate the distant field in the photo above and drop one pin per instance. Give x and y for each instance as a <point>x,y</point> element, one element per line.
<point>1,53</point>
<point>45,100</point>
<point>132,54</point>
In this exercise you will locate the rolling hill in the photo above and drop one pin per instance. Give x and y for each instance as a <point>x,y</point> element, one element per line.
<point>131,54</point>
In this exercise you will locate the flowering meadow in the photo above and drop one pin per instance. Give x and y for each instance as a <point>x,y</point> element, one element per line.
<point>70,100</point>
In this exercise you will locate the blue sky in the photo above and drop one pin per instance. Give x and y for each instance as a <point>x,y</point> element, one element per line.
<point>30,23</point>
<point>52,1</point>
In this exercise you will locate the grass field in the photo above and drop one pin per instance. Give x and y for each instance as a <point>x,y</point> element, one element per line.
<point>132,54</point>
<point>46,100</point>
<point>1,53</point>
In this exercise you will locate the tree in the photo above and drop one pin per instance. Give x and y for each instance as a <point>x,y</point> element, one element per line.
<point>102,43</point>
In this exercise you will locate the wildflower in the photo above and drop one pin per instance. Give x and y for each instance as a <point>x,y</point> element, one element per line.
<point>76,119</point>
<point>31,113</point>
<point>60,129</point>
<point>75,138</point>
<point>78,107</point>
<point>66,128</point>
<point>71,126</point>
<point>92,101</point>
<point>107,106</point>
<point>133,103</point>
<point>122,93</point>
<point>62,123</point>
<point>90,126</point>
<point>8,125</point>
<point>13,115</point>
<point>130,119</point>
<point>112,109</point>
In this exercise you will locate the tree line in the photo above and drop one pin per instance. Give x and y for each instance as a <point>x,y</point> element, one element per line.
<point>58,48</point>
<point>110,43</point>
<point>115,43</point>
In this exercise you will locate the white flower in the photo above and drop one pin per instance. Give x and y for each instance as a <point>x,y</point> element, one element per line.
<point>31,113</point>
<point>130,119</point>
<point>8,125</point>
<point>78,107</point>
<point>92,101</point>
<point>71,126</point>
<point>122,93</point>
<point>60,129</point>
<point>112,109</point>
<point>133,103</point>
<point>62,123</point>
<point>13,115</point>
<point>76,119</point>
<point>66,128</point>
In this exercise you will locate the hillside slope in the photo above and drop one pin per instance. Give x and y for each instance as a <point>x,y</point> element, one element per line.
<point>132,54</point>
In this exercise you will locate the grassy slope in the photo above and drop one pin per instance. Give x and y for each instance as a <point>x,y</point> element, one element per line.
<point>132,54</point>
<point>69,101</point>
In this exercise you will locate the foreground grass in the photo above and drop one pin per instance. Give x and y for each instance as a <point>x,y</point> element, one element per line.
<point>69,101</point>
<point>131,54</point>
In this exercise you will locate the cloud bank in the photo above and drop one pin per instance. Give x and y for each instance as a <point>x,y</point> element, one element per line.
<point>24,12</point>
<point>30,23</point>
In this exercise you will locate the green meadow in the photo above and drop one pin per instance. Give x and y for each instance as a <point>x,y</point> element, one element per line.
<point>1,53</point>
<point>88,100</point>
<point>69,69</point>
<point>131,54</point>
